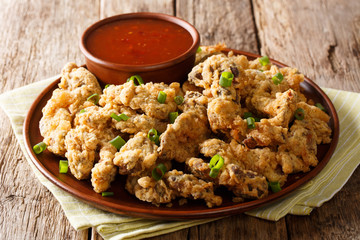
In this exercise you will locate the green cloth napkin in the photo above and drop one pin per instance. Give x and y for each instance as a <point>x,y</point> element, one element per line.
<point>323,187</point>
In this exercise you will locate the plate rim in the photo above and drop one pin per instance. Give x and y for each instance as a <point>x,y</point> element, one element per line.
<point>168,213</point>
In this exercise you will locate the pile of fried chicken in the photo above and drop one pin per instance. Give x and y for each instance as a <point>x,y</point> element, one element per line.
<point>211,121</point>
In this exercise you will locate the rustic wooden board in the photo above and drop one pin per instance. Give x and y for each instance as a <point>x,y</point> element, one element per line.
<point>221,21</point>
<point>320,38</point>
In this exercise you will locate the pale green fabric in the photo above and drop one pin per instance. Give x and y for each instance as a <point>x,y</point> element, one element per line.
<point>300,202</point>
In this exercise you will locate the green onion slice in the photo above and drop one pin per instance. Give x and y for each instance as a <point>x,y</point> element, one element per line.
<point>277,78</point>
<point>299,114</point>
<point>216,163</point>
<point>247,115</point>
<point>264,60</point>
<point>159,171</point>
<point>39,148</point>
<point>121,117</point>
<point>161,97</point>
<point>173,116</point>
<point>63,166</point>
<point>319,105</point>
<point>178,100</point>
<point>153,136</point>
<point>106,86</point>
<point>137,78</point>
<point>124,117</point>
<point>118,142</point>
<point>198,50</point>
<point>115,116</point>
<point>82,111</point>
<point>250,122</point>
<point>275,186</point>
<point>107,194</point>
<point>94,98</point>
<point>226,79</point>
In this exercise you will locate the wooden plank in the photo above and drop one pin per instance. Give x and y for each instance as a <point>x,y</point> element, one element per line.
<point>243,227</point>
<point>38,38</point>
<point>337,219</point>
<point>320,38</point>
<point>112,7</point>
<point>221,21</point>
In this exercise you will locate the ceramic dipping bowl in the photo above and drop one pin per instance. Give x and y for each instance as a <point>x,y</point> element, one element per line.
<point>158,47</point>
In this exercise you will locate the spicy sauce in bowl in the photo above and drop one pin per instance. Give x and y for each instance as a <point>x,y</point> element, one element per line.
<point>158,47</point>
<point>139,41</point>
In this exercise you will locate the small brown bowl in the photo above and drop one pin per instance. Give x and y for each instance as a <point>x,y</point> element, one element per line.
<point>175,69</point>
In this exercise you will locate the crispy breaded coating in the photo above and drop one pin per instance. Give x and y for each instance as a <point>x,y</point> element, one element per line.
<point>137,122</point>
<point>81,150</point>
<point>243,183</point>
<point>181,139</point>
<point>224,116</point>
<point>149,190</point>
<point>207,75</point>
<point>143,97</point>
<point>318,120</point>
<point>265,134</point>
<point>76,85</point>
<point>91,129</point>
<point>299,151</point>
<point>173,184</point>
<point>207,51</point>
<point>104,172</point>
<point>137,155</point>
<point>188,186</point>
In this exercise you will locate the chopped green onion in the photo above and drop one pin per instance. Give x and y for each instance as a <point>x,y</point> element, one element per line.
<point>216,163</point>
<point>124,117</point>
<point>264,60</point>
<point>120,117</point>
<point>299,114</point>
<point>319,105</point>
<point>82,111</point>
<point>275,186</point>
<point>107,194</point>
<point>63,166</point>
<point>161,97</point>
<point>39,148</point>
<point>247,115</point>
<point>214,173</point>
<point>153,136</point>
<point>159,171</point>
<point>106,86</point>
<point>173,116</point>
<point>138,79</point>
<point>250,122</point>
<point>226,79</point>
<point>198,50</point>
<point>178,100</point>
<point>94,98</point>
<point>118,142</point>
<point>260,70</point>
<point>277,78</point>
<point>115,116</point>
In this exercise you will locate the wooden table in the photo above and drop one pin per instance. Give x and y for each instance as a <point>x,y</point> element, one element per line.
<point>320,38</point>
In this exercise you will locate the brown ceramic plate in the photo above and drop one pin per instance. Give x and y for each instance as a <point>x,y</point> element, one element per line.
<point>124,203</point>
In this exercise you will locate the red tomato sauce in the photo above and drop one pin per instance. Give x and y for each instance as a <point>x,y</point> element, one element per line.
<point>139,41</point>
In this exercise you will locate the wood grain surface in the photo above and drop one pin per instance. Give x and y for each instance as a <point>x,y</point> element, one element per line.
<point>320,38</point>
